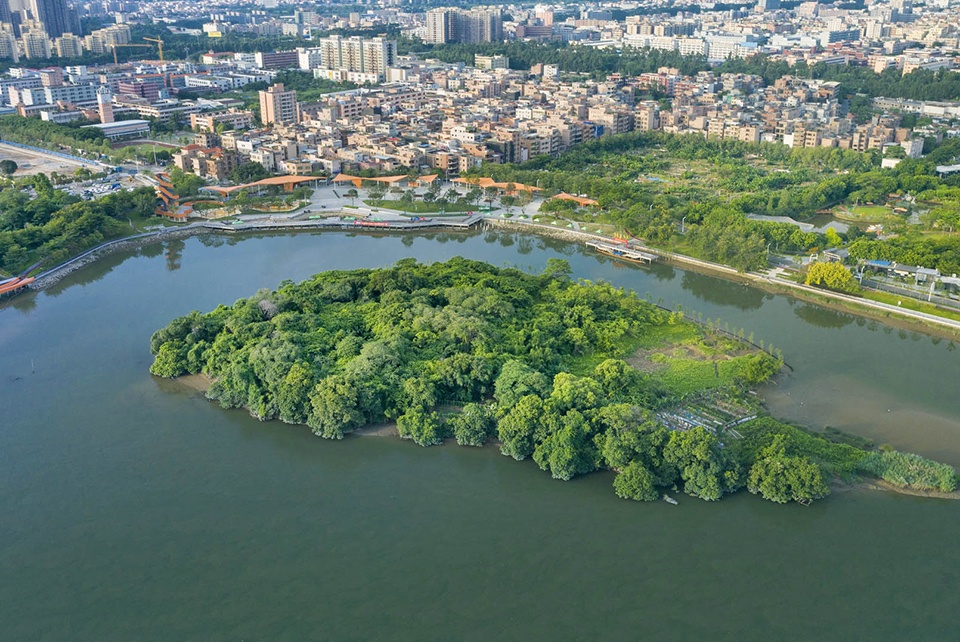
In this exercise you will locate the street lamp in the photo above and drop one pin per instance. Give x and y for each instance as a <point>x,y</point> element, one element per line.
<point>683,220</point>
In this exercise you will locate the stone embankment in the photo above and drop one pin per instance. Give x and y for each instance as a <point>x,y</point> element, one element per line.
<point>55,274</point>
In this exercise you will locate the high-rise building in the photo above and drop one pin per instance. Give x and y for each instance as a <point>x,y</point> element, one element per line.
<point>480,25</point>
<point>278,106</point>
<point>767,5</point>
<point>52,14</point>
<point>491,62</point>
<point>440,28</point>
<point>68,46</point>
<point>51,77</point>
<point>276,59</point>
<point>354,54</point>
<point>101,40</point>
<point>456,25</point>
<point>35,44</point>
<point>8,44</point>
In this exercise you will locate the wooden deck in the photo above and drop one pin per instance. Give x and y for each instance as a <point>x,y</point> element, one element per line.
<point>623,252</point>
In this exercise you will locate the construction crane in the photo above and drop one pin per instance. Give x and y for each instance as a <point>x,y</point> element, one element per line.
<point>159,42</point>
<point>114,47</point>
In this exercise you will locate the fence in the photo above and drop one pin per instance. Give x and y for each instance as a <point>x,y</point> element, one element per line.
<point>50,152</point>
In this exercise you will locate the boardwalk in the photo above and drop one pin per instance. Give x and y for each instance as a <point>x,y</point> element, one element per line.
<point>623,252</point>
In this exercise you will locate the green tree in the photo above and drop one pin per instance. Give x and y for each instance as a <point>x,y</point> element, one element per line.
<point>780,478</point>
<point>293,396</point>
<point>617,378</point>
<point>833,276</point>
<point>832,238</point>
<point>170,361</point>
<point>43,185</point>
<point>516,429</point>
<point>473,425</point>
<point>636,482</point>
<point>423,427</point>
<point>569,451</point>
<point>571,392</point>
<point>249,172</point>
<point>8,166</point>
<point>517,380</point>
<point>707,471</point>
<point>335,407</point>
<point>558,269</point>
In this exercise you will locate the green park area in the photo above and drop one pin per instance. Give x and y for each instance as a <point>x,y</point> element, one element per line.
<point>863,213</point>
<point>695,196</point>
<point>421,207</point>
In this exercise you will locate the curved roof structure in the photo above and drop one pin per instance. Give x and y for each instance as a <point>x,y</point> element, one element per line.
<point>358,180</point>
<point>579,200</point>
<point>288,182</point>
<point>486,182</point>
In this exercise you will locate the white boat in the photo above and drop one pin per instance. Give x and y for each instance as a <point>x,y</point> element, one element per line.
<point>670,500</point>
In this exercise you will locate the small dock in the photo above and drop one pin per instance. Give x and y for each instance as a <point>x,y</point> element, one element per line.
<point>623,252</point>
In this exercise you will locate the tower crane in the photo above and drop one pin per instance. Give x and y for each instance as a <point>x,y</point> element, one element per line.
<point>114,47</point>
<point>159,42</point>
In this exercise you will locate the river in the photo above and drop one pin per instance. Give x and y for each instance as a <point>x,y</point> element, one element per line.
<point>133,509</point>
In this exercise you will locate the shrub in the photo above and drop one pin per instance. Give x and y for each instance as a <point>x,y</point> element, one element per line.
<point>910,471</point>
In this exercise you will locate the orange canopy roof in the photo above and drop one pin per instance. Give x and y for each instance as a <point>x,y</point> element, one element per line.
<point>358,180</point>
<point>580,200</point>
<point>286,181</point>
<point>486,182</point>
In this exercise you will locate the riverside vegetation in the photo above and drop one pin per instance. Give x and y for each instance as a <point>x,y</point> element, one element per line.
<point>466,350</point>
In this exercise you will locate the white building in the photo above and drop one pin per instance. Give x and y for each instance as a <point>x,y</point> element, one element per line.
<point>122,128</point>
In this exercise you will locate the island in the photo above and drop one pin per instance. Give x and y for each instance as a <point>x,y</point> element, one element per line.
<point>578,376</point>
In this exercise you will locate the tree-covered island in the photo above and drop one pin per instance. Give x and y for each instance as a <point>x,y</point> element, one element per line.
<point>579,376</point>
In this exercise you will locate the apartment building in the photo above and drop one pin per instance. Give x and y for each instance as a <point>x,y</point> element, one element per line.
<point>278,106</point>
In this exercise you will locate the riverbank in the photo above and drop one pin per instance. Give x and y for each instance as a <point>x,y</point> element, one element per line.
<point>892,315</point>
<point>898,317</point>
<point>879,484</point>
<point>55,274</point>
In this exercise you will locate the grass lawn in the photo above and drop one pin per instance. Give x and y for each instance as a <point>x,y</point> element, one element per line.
<point>863,213</point>
<point>419,207</point>
<point>910,304</point>
<point>684,376</point>
<point>548,220</point>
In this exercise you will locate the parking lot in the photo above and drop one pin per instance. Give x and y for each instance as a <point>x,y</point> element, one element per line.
<point>96,188</point>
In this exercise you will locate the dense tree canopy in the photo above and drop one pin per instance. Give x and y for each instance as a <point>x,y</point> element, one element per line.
<point>468,350</point>
<point>56,225</point>
<point>831,275</point>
